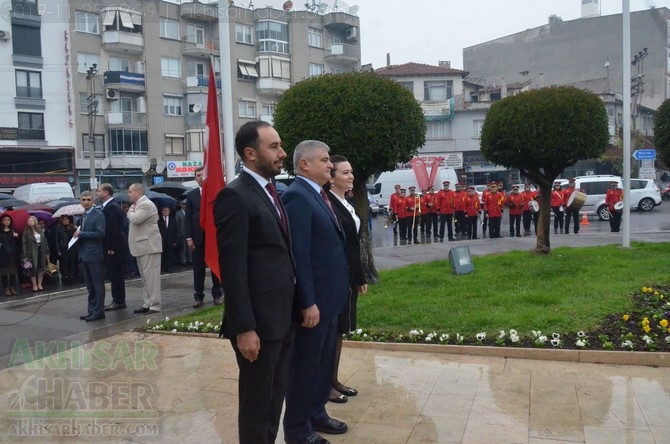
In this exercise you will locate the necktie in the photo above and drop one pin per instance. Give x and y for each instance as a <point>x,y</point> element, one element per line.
<point>330,205</point>
<point>282,217</point>
<point>166,222</point>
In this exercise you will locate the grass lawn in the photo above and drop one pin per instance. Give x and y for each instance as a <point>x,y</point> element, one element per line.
<point>571,290</point>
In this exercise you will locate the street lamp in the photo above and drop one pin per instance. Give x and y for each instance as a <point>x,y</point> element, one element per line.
<point>92,107</point>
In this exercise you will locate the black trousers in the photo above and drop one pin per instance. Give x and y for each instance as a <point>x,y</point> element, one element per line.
<point>199,275</point>
<point>615,221</point>
<point>494,227</point>
<point>460,225</point>
<point>114,266</point>
<point>472,227</point>
<point>515,224</point>
<point>262,388</point>
<point>527,217</point>
<point>574,215</point>
<point>558,218</point>
<point>446,219</point>
<point>402,227</point>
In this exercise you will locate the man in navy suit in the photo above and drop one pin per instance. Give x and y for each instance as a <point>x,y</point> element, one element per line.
<point>168,229</point>
<point>195,241</point>
<point>323,288</point>
<point>90,235</point>
<point>258,277</point>
<point>113,245</point>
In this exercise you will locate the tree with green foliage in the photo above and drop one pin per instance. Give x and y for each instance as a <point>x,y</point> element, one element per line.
<point>662,131</point>
<point>372,121</point>
<point>542,132</point>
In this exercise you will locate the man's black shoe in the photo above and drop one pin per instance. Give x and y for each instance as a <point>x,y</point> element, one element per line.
<point>95,318</point>
<point>331,426</point>
<point>314,438</point>
<point>83,317</point>
<point>115,306</point>
<point>151,312</point>
<point>141,310</point>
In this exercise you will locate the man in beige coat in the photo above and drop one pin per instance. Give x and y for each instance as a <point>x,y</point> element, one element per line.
<point>145,244</point>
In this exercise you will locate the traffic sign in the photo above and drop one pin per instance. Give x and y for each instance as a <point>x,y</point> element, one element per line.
<point>158,179</point>
<point>647,173</point>
<point>648,154</point>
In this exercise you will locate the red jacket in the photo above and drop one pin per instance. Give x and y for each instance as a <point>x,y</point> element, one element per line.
<point>459,200</point>
<point>428,203</point>
<point>527,197</point>
<point>494,203</point>
<point>515,202</point>
<point>393,202</point>
<point>613,196</point>
<point>472,205</point>
<point>445,202</point>
<point>412,205</point>
<point>556,198</point>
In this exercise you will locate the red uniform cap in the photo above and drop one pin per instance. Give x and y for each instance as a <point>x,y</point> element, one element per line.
<point>515,187</point>
<point>614,182</point>
<point>396,186</point>
<point>558,182</point>
<point>412,188</point>
<point>445,182</point>
<point>572,179</point>
<point>402,190</point>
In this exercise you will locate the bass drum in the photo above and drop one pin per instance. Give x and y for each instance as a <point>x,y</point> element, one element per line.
<point>576,200</point>
<point>533,206</point>
<point>618,207</point>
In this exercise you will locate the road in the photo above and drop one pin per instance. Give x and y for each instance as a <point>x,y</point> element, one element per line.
<point>27,318</point>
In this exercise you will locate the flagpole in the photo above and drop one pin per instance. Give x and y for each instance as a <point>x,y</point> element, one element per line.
<point>227,70</point>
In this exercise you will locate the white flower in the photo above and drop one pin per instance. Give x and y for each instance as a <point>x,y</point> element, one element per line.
<point>459,337</point>
<point>555,336</point>
<point>148,321</point>
<point>481,336</point>
<point>536,333</point>
<point>413,333</point>
<point>542,339</point>
<point>513,332</point>
<point>174,330</point>
<point>444,337</point>
<point>555,342</point>
<point>627,344</point>
<point>359,331</point>
<point>667,339</point>
<point>176,323</point>
<point>365,335</point>
<point>514,337</point>
<point>428,338</point>
<point>647,339</point>
<point>580,343</point>
<point>167,319</point>
<point>502,334</point>
<point>581,334</point>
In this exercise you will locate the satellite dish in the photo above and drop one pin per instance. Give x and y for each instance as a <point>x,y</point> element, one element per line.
<point>322,7</point>
<point>146,166</point>
<point>353,10</point>
<point>105,163</point>
<point>160,167</point>
<point>287,5</point>
<point>197,107</point>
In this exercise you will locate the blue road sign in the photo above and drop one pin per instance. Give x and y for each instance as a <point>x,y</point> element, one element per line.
<point>158,179</point>
<point>649,154</point>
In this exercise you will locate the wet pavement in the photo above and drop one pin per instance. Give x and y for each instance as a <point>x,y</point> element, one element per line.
<point>114,385</point>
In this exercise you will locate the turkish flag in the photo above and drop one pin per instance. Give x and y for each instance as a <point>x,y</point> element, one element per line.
<point>213,180</point>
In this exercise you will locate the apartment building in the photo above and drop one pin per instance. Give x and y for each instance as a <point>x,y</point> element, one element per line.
<point>36,112</point>
<point>148,97</point>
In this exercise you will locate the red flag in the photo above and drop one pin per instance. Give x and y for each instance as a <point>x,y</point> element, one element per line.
<point>421,173</point>
<point>213,180</point>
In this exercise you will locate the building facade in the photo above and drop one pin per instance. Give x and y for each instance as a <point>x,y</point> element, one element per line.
<point>37,135</point>
<point>148,99</point>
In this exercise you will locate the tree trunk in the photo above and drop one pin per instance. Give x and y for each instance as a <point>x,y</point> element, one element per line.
<point>543,245</point>
<point>362,207</point>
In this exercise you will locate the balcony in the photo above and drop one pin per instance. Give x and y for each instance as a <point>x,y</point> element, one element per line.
<point>340,21</point>
<point>195,120</point>
<point>198,11</point>
<point>196,46</point>
<point>123,42</point>
<point>343,54</point>
<point>200,82</point>
<point>272,86</point>
<point>126,119</point>
<point>124,80</point>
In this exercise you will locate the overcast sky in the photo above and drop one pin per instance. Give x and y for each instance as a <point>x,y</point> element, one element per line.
<point>426,31</point>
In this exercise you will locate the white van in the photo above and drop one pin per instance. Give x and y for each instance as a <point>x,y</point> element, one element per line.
<point>43,192</point>
<point>383,187</point>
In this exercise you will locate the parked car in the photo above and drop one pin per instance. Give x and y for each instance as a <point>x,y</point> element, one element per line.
<point>373,203</point>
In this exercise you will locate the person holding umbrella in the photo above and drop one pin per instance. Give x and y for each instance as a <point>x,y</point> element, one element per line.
<point>68,259</point>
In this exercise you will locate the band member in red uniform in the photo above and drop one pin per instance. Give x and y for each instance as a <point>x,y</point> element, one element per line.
<point>393,215</point>
<point>459,209</point>
<point>557,206</point>
<point>412,204</point>
<point>485,218</point>
<point>614,195</point>
<point>445,208</point>
<point>515,203</point>
<point>431,212</point>
<point>494,204</point>
<point>527,216</point>
<point>570,214</point>
<point>472,211</point>
<point>401,214</point>
<point>424,211</point>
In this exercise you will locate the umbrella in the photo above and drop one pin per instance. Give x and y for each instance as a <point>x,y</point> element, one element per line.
<point>174,189</point>
<point>4,196</point>
<point>43,215</point>
<point>56,204</point>
<point>122,198</point>
<point>11,203</point>
<point>161,200</point>
<point>19,218</point>
<point>36,207</point>
<point>69,210</point>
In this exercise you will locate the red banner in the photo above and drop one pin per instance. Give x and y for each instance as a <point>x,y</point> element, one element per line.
<point>421,173</point>
<point>433,171</point>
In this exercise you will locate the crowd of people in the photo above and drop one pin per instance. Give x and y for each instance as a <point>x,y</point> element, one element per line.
<point>458,213</point>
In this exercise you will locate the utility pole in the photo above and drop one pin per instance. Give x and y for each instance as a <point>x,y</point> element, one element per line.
<point>92,107</point>
<point>637,82</point>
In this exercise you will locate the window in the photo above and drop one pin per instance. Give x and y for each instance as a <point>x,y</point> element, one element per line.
<point>272,37</point>
<point>477,128</point>
<point>247,70</point>
<point>315,69</point>
<point>409,86</point>
<point>315,37</point>
<point>170,67</point>
<point>438,90</point>
<point>438,129</point>
<point>85,61</point>
<point>124,142</point>
<point>28,84</point>
<point>98,147</point>
<point>31,126</point>
<point>275,67</point>
<point>267,109</point>
<point>243,33</point>
<point>247,108</point>
<point>195,69</point>
<point>118,64</point>
<point>122,19</point>
<point>195,34</point>
<point>195,141</point>
<point>26,40</point>
<point>86,22</point>
<point>169,28</point>
<point>174,144</point>
<point>172,106</point>
<point>83,103</point>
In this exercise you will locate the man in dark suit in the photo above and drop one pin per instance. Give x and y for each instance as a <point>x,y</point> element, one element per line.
<point>195,240</point>
<point>323,287</point>
<point>113,245</point>
<point>259,281</point>
<point>90,235</point>
<point>168,228</point>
